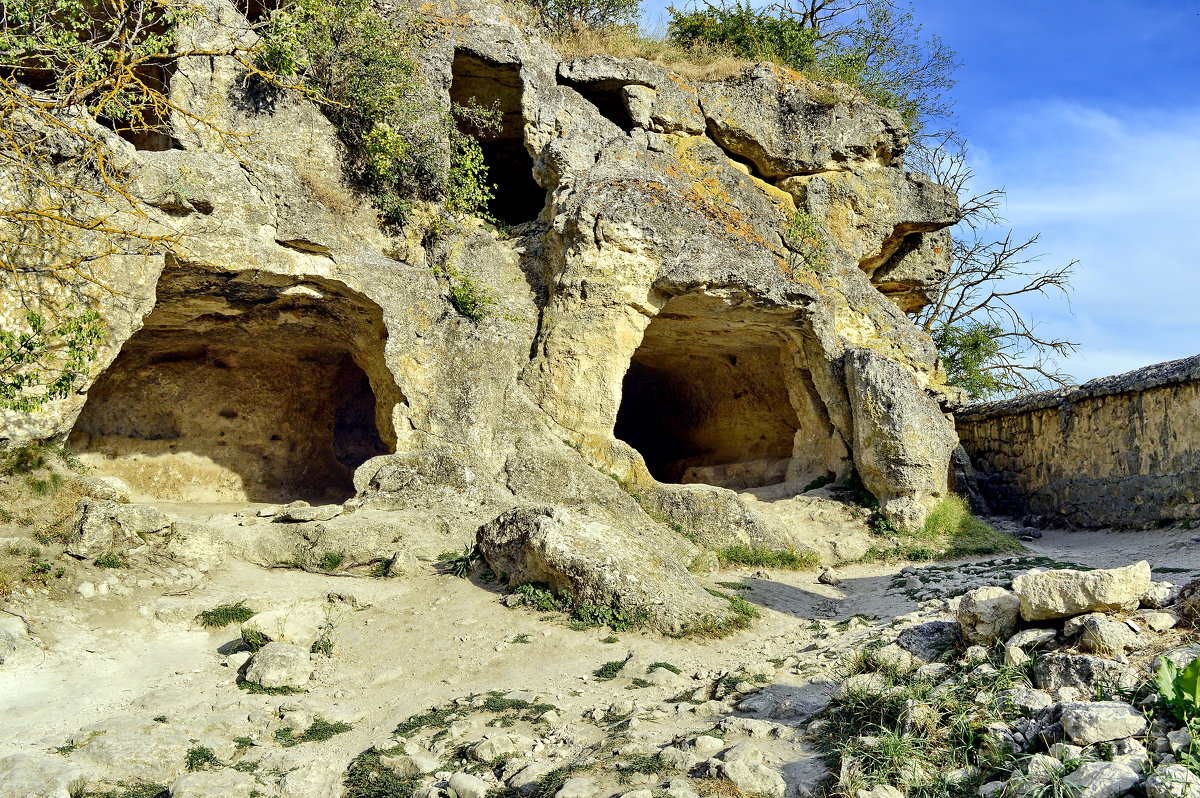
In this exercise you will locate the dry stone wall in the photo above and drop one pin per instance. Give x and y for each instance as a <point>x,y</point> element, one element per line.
<point>1117,451</point>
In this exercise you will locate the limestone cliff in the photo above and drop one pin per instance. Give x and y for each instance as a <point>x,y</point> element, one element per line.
<point>663,357</point>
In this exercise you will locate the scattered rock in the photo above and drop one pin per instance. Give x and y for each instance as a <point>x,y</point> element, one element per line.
<point>1062,593</point>
<point>280,665</point>
<point>929,641</point>
<point>1173,781</point>
<point>1057,670</point>
<point>1101,780</point>
<point>1101,721</point>
<point>465,785</point>
<point>988,614</point>
<point>300,624</point>
<point>1108,638</point>
<point>408,766</point>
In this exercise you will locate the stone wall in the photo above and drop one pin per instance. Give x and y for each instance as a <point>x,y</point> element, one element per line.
<point>1117,451</point>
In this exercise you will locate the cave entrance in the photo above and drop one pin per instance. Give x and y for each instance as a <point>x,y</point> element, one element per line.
<point>490,85</point>
<point>718,395</point>
<point>240,389</point>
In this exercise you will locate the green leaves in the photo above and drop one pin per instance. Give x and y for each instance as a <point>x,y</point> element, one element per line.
<point>44,360</point>
<point>1180,689</point>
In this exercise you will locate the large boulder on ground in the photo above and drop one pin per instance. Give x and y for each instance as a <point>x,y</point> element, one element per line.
<point>102,526</point>
<point>280,665</point>
<point>588,560</point>
<point>300,624</point>
<point>988,614</point>
<point>909,473</point>
<point>1062,593</point>
<point>1107,637</point>
<point>1101,780</point>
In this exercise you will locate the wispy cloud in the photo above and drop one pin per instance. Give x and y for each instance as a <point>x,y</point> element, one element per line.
<point>1119,190</point>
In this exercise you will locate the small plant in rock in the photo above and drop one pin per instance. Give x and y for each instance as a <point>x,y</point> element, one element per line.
<point>470,297</point>
<point>253,639</point>
<point>109,560</point>
<point>331,561</point>
<point>804,236</point>
<point>254,688</point>
<point>522,638</point>
<point>610,670</point>
<point>225,614</point>
<point>323,645</point>
<point>460,563</point>
<point>819,482</point>
<point>201,757</point>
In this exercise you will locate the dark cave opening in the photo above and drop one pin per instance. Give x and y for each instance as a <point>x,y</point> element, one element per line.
<point>491,85</point>
<point>245,393</point>
<point>707,405</point>
<point>608,97</point>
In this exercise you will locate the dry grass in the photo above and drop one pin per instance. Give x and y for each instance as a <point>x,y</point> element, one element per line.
<point>702,62</point>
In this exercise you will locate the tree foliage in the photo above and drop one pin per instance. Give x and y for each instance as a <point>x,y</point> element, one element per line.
<point>988,342</point>
<point>869,44</point>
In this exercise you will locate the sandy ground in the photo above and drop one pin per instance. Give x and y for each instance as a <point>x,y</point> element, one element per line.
<point>425,638</point>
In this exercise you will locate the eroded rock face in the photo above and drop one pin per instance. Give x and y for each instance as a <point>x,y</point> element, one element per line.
<point>656,321</point>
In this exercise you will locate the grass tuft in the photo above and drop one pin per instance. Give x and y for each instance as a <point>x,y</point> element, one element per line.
<point>225,614</point>
<point>791,560</point>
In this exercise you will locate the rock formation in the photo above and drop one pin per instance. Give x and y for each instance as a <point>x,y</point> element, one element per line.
<point>664,355</point>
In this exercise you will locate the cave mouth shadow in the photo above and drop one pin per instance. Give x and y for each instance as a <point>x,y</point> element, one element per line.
<point>480,83</point>
<point>721,397</point>
<point>222,397</point>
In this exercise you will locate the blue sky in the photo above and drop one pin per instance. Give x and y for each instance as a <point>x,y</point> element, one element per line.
<point>1088,115</point>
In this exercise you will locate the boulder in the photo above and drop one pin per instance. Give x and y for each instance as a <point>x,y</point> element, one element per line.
<point>577,787</point>
<point>588,560</point>
<point>929,641</point>
<point>1101,721</point>
<point>1109,638</point>
<point>909,474</point>
<point>101,526</point>
<point>465,785</point>
<point>30,775</point>
<point>300,624</point>
<point>280,665</point>
<point>988,614</point>
<point>1062,593</point>
<point>1101,780</point>
<point>1173,781</point>
<point>410,766</point>
<point>1081,671</point>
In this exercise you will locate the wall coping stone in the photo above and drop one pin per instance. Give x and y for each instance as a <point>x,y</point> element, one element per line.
<point>1172,372</point>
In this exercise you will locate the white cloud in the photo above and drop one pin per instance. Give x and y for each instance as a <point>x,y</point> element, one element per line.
<point>1119,190</point>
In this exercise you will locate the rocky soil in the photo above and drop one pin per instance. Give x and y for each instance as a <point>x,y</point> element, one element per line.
<point>430,682</point>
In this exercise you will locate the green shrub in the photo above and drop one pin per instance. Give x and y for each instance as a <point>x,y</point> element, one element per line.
<point>804,236</point>
<point>610,670</point>
<point>109,560</point>
<point>200,757</point>
<point>950,532</point>
<point>225,614</point>
<point>741,554</point>
<point>754,34</point>
<point>874,47</point>
<point>357,63</point>
<point>470,297</point>
<point>460,563</point>
<point>331,561</point>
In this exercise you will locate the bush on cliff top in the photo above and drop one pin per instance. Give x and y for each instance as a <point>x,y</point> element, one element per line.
<point>357,63</point>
